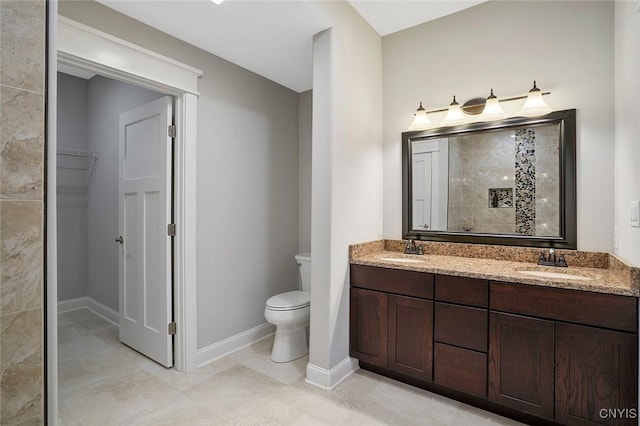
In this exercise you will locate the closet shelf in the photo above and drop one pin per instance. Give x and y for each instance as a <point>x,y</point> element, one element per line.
<point>80,165</point>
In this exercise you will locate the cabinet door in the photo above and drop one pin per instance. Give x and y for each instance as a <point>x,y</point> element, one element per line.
<point>369,326</point>
<point>411,336</point>
<point>521,363</point>
<point>596,376</point>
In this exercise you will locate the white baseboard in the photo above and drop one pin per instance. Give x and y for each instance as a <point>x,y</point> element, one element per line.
<point>94,306</point>
<point>329,379</point>
<point>72,304</point>
<point>225,347</point>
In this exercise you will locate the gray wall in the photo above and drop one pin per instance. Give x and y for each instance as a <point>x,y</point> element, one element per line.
<point>73,241</point>
<point>304,170</point>
<point>106,99</point>
<point>567,46</point>
<point>247,174</point>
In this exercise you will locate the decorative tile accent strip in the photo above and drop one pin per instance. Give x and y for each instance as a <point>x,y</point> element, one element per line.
<point>525,181</point>
<point>500,197</point>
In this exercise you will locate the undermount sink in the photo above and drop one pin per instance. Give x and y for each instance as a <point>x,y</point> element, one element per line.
<point>401,259</point>
<point>547,274</point>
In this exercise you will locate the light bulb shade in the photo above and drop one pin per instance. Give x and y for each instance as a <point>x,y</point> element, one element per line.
<point>455,115</point>
<point>535,105</point>
<point>492,109</point>
<point>420,121</point>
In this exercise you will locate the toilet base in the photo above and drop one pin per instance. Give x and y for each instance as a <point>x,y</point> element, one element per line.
<point>289,344</point>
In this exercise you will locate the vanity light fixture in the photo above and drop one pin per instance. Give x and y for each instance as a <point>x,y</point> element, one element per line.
<point>217,1</point>
<point>492,109</point>
<point>488,109</point>
<point>455,115</point>
<point>421,121</point>
<point>535,105</point>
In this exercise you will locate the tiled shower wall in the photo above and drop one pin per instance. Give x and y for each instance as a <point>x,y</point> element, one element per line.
<point>22,95</point>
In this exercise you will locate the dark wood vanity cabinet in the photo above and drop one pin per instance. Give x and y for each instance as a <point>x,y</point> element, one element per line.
<point>521,363</point>
<point>595,369</point>
<point>369,323</point>
<point>392,325</point>
<point>410,346</point>
<point>460,333</point>
<point>565,356</point>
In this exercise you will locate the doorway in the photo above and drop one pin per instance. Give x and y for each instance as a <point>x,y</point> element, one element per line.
<point>92,51</point>
<point>114,173</point>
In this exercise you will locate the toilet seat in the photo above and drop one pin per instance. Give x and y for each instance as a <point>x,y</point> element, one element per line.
<point>289,301</point>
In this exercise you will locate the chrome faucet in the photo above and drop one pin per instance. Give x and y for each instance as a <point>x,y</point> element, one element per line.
<point>412,248</point>
<point>552,260</point>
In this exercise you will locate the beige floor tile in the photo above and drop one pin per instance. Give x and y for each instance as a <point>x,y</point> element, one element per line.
<point>468,415</point>
<point>235,392</point>
<point>113,400</point>
<point>103,382</point>
<point>183,381</point>
<point>78,373</point>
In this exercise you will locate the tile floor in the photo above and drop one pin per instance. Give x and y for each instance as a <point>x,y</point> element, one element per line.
<point>102,382</point>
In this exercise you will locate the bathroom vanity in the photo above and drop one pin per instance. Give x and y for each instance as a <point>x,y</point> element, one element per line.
<point>485,332</point>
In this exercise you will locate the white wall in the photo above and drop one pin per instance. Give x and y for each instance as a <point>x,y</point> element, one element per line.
<point>107,99</point>
<point>247,174</point>
<point>347,169</point>
<point>73,240</point>
<point>304,170</point>
<point>627,147</point>
<point>567,46</point>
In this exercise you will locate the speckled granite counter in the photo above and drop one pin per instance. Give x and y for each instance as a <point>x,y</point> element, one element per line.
<point>611,274</point>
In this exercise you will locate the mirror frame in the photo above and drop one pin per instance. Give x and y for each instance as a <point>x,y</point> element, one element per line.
<point>567,150</point>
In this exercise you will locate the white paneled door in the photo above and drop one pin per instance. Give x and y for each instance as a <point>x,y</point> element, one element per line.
<point>145,246</point>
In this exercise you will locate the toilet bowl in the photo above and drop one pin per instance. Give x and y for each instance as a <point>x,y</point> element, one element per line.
<point>289,312</point>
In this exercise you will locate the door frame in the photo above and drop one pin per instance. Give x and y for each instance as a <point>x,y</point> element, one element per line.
<point>83,47</point>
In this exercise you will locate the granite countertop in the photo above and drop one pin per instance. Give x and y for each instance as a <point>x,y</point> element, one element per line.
<point>601,280</point>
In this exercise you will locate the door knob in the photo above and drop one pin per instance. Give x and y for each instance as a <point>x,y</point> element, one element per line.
<point>120,240</point>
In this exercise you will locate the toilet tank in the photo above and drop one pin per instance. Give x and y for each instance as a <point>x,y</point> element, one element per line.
<point>304,266</point>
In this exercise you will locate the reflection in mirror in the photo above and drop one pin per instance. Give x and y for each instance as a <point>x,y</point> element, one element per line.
<point>513,180</point>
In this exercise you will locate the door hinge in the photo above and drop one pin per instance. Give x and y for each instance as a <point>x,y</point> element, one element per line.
<point>172,131</point>
<point>171,229</point>
<point>172,328</point>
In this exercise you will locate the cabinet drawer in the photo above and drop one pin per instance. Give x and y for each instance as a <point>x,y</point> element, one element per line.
<point>583,307</point>
<point>466,291</point>
<point>461,326</point>
<point>460,369</point>
<point>397,281</point>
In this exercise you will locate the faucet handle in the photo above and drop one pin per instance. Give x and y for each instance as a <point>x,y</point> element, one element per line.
<point>561,261</point>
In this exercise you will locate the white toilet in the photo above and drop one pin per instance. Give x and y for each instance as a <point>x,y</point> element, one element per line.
<point>289,312</point>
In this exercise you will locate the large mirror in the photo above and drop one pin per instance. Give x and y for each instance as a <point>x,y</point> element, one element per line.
<point>510,182</point>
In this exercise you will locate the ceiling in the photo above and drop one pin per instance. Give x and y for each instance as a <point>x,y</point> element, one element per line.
<point>272,38</point>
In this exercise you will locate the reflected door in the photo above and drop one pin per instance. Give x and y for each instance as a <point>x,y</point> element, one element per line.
<point>422,190</point>
<point>145,211</point>
<point>430,184</point>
